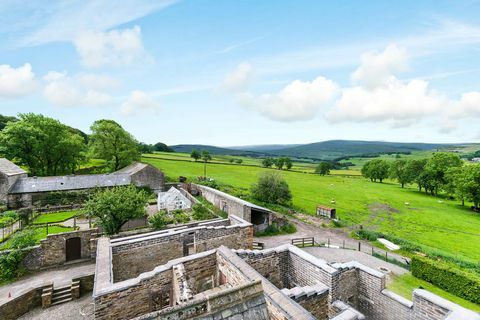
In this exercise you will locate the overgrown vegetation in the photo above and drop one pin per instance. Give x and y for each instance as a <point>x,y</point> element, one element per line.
<point>201,212</point>
<point>271,187</point>
<point>10,263</point>
<point>274,230</point>
<point>114,207</point>
<point>461,283</point>
<point>159,220</point>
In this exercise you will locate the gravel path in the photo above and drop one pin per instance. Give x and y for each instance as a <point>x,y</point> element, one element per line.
<point>336,237</point>
<point>344,255</point>
<point>79,309</point>
<point>59,276</point>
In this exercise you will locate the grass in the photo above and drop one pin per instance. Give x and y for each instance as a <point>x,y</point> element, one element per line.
<point>55,217</point>
<point>444,225</point>
<point>404,285</point>
<point>40,233</point>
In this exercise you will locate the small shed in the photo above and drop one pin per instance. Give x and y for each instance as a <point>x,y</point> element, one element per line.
<point>173,199</point>
<point>326,212</point>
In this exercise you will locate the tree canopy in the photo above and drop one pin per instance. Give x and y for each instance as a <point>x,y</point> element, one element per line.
<point>44,145</point>
<point>195,154</point>
<point>323,168</point>
<point>114,207</point>
<point>376,169</point>
<point>109,141</point>
<point>271,187</point>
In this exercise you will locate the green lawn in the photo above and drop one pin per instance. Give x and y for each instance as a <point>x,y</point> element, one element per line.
<point>40,233</point>
<point>427,220</point>
<point>55,217</point>
<point>405,284</point>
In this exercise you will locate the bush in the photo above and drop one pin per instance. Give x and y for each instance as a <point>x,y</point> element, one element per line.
<point>159,220</point>
<point>180,216</point>
<point>10,263</point>
<point>200,212</point>
<point>271,187</point>
<point>274,230</point>
<point>461,283</point>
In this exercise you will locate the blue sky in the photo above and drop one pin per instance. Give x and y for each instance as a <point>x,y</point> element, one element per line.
<point>247,72</point>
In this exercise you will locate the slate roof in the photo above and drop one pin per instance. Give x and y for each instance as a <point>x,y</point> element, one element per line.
<point>71,182</point>
<point>9,168</point>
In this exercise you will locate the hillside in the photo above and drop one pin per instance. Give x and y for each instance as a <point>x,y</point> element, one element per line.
<point>325,150</point>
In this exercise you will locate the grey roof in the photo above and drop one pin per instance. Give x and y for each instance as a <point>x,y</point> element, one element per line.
<point>9,168</point>
<point>71,182</point>
<point>131,169</point>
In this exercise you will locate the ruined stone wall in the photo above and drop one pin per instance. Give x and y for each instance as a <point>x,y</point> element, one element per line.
<point>227,204</point>
<point>143,253</point>
<point>316,304</point>
<point>150,177</point>
<point>303,272</point>
<point>271,264</point>
<point>53,247</point>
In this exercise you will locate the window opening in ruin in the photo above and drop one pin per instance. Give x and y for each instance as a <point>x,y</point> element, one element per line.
<point>258,217</point>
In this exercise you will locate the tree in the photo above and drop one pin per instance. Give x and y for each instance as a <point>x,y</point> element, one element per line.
<point>268,162</point>
<point>238,161</point>
<point>415,168</point>
<point>109,141</point>
<point>195,154</point>
<point>376,169</point>
<point>466,183</point>
<point>323,168</point>
<point>287,163</point>
<point>4,120</point>
<point>279,162</point>
<point>271,187</point>
<point>145,148</point>
<point>162,147</point>
<point>436,169</point>
<point>114,207</point>
<point>205,157</point>
<point>44,145</point>
<point>399,170</point>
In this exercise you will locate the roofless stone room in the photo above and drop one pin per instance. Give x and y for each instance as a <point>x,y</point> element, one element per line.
<point>239,160</point>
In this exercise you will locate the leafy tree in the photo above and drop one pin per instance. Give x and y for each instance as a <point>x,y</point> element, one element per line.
<point>376,169</point>
<point>268,162</point>
<point>109,141</point>
<point>287,163</point>
<point>114,207</point>
<point>238,161</point>
<point>271,187</point>
<point>206,156</point>
<point>436,168</point>
<point>415,168</point>
<point>195,154</point>
<point>44,145</point>
<point>231,160</point>
<point>145,148</point>
<point>466,183</point>
<point>323,168</point>
<point>162,147</point>
<point>279,163</point>
<point>399,170</point>
<point>4,120</point>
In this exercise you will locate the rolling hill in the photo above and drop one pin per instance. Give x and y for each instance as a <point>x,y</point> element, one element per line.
<point>325,150</point>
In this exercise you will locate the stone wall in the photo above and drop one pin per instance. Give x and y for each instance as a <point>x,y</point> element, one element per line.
<point>134,255</point>
<point>223,201</point>
<point>150,177</point>
<point>22,304</point>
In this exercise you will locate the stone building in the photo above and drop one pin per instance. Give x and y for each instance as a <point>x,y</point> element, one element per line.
<point>259,216</point>
<point>173,199</point>
<point>19,190</point>
<point>278,283</point>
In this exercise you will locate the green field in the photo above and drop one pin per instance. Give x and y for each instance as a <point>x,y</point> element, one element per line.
<point>55,216</point>
<point>404,285</point>
<point>40,233</point>
<point>430,221</point>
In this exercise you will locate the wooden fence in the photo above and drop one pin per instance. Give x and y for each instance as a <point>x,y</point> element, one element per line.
<point>303,242</point>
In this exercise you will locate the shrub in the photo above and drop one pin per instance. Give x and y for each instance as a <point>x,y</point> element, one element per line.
<point>180,216</point>
<point>271,187</point>
<point>448,277</point>
<point>274,230</point>
<point>10,263</point>
<point>159,220</point>
<point>200,212</point>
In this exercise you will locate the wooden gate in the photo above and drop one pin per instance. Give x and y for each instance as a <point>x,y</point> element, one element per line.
<point>73,248</point>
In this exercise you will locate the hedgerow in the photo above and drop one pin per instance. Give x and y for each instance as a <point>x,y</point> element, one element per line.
<point>447,276</point>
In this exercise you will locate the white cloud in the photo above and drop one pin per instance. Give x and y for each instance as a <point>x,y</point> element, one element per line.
<point>396,101</point>
<point>65,91</point>
<point>297,101</point>
<point>377,69</point>
<point>138,101</point>
<point>467,106</point>
<point>112,48</point>
<point>16,82</point>
<point>239,79</point>
<point>98,81</point>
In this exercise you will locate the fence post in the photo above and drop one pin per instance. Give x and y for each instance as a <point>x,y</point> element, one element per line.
<point>74,222</point>
<point>386,256</point>
<point>47,228</point>
<point>303,242</point>
<point>343,244</point>
<point>359,246</point>
<point>329,242</point>
<point>372,250</point>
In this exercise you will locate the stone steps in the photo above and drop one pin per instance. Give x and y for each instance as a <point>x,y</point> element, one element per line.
<point>307,291</point>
